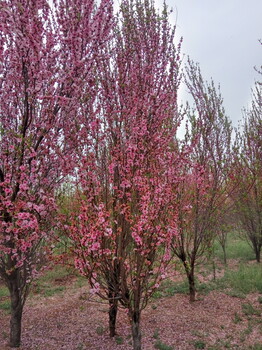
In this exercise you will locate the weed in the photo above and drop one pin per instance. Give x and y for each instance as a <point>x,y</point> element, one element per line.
<point>255,347</point>
<point>100,330</point>
<point>237,318</point>
<point>119,340</point>
<point>56,273</point>
<point>248,309</point>
<point>199,344</point>
<point>197,333</point>
<point>80,282</point>
<point>52,291</point>
<point>236,249</point>
<point>162,346</point>
<point>5,335</point>
<point>156,334</point>
<point>4,292</point>
<point>249,329</point>
<point>259,299</point>
<point>247,279</point>
<point>5,305</point>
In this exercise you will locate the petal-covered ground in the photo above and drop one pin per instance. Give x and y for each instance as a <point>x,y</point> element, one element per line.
<point>70,321</point>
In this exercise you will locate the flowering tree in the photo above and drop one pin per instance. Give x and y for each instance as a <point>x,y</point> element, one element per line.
<point>202,196</point>
<point>44,72</point>
<point>122,235</point>
<point>247,196</point>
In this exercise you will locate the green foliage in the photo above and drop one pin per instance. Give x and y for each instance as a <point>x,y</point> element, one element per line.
<point>199,344</point>
<point>248,309</point>
<point>100,330</point>
<point>56,273</point>
<point>119,340</point>
<point>237,318</point>
<point>247,279</point>
<point>49,292</point>
<point>249,329</point>
<point>235,293</point>
<point>5,305</point>
<point>169,288</point>
<point>4,292</point>
<point>52,281</point>
<point>236,248</point>
<point>256,346</point>
<point>162,346</point>
<point>156,334</point>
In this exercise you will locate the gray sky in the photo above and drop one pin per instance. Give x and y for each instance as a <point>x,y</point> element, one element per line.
<point>222,35</point>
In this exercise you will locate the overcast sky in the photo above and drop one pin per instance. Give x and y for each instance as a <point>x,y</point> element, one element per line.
<point>222,35</point>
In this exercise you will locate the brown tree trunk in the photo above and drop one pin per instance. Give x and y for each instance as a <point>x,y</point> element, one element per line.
<point>191,281</point>
<point>224,254</point>
<point>256,248</point>
<point>113,307</point>
<point>136,332</point>
<point>257,252</point>
<point>16,314</point>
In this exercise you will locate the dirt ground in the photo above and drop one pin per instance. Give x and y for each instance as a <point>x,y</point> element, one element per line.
<point>70,321</point>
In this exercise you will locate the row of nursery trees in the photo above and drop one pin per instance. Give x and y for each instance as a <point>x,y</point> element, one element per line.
<point>90,98</point>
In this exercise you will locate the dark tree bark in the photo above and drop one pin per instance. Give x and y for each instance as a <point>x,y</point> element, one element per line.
<point>136,331</point>
<point>16,310</point>
<point>113,308</point>
<point>191,280</point>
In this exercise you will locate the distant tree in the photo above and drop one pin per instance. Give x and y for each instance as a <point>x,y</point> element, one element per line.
<point>123,233</point>
<point>248,174</point>
<point>47,54</point>
<point>202,196</point>
<point>226,225</point>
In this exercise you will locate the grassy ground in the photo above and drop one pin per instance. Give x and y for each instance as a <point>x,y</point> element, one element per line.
<point>241,276</point>
<point>236,248</point>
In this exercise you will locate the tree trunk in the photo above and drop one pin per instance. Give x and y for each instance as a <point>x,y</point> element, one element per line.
<point>258,254</point>
<point>113,306</point>
<point>191,281</point>
<point>192,287</point>
<point>136,332</point>
<point>257,250</point>
<point>16,314</point>
<point>224,254</point>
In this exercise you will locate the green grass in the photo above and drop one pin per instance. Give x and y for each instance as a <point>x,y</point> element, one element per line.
<point>169,288</point>
<point>4,292</point>
<point>247,279</point>
<point>199,344</point>
<point>248,309</point>
<point>119,340</point>
<point>255,347</point>
<point>100,330</point>
<point>52,281</point>
<point>236,283</point>
<point>162,346</point>
<point>56,273</point>
<point>236,248</point>
<point>5,305</point>
<point>50,291</point>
